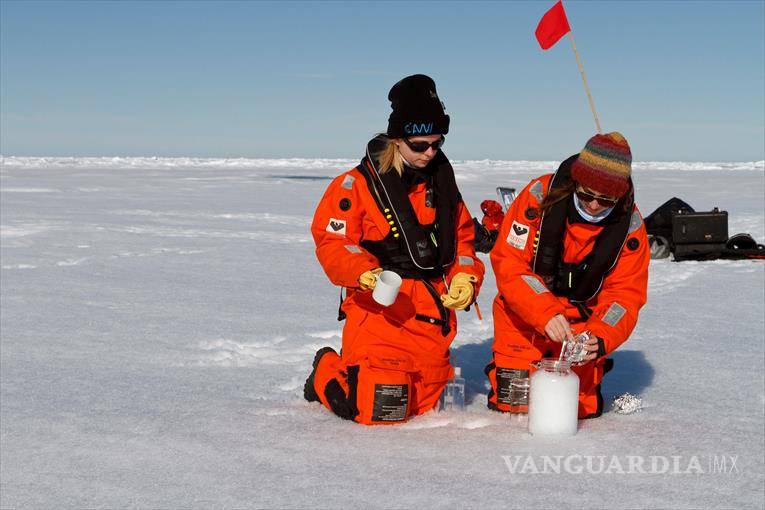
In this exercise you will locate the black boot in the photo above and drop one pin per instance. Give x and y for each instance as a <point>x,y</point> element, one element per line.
<point>309,391</point>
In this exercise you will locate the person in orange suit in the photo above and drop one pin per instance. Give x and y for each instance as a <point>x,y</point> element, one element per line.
<point>398,210</point>
<point>572,256</point>
<point>492,215</point>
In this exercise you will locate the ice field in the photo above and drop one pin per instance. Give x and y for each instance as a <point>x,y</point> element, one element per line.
<point>159,317</point>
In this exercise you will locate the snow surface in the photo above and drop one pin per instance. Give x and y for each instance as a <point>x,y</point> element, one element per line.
<point>159,317</point>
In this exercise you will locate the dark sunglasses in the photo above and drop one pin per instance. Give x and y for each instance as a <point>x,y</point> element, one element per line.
<point>589,197</point>
<point>423,146</point>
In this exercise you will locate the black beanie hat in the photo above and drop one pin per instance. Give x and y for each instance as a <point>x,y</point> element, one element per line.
<point>417,110</point>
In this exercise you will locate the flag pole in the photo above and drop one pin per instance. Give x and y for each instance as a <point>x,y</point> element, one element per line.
<point>584,80</point>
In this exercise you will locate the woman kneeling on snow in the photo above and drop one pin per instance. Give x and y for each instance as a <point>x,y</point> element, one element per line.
<point>398,210</point>
<point>571,256</point>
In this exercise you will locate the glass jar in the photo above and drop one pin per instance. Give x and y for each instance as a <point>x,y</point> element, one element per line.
<point>553,398</point>
<point>519,395</point>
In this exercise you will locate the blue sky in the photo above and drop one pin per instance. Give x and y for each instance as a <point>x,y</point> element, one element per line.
<point>682,80</point>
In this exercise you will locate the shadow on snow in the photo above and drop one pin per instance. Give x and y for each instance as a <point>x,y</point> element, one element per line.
<point>631,373</point>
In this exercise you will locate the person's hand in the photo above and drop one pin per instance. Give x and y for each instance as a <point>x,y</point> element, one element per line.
<point>368,279</point>
<point>461,292</point>
<point>558,329</point>
<point>595,348</point>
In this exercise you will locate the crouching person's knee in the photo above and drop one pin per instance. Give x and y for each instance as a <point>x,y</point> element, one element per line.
<point>502,371</point>
<point>341,400</point>
<point>333,384</point>
<point>371,393</point>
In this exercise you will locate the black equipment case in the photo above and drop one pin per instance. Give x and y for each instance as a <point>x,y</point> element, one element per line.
<point>699,235</point>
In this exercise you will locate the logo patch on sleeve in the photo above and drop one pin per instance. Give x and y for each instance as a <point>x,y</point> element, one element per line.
<point>336,226</point>
<point>518,235</point>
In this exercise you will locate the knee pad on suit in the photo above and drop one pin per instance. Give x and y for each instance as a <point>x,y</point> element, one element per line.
<point>377,390</point>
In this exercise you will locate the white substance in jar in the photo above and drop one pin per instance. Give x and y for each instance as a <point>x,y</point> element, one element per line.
<point>553,399</point>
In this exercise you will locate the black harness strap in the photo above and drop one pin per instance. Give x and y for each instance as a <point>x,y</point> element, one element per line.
<point>581,281</point>
<point>584,312</point>
<point>429,320</point>
<point>413,250</point>
<point>441,308</point>
<point>340,313</point>
<point>552,227</point>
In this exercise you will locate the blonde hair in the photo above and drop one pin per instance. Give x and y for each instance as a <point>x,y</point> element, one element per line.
<point>390,157</point>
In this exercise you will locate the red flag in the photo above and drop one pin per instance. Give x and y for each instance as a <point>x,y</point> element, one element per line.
<point>552,26</point>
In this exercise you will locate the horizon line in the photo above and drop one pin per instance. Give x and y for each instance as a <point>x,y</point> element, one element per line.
<point>756,162</point>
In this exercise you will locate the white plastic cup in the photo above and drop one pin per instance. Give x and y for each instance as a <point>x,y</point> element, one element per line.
<point>386,288</point>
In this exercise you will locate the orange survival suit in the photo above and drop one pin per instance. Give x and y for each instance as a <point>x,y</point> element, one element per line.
<point>394,361</point>
<point>596,275</point>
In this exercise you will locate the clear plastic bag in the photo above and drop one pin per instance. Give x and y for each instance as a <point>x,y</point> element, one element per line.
<point>574,352</point>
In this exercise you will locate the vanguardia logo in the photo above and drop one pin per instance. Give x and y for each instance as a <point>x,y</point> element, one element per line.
<point>622,465</point>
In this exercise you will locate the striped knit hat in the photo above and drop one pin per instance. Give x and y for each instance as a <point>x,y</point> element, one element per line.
<point>604,165</point>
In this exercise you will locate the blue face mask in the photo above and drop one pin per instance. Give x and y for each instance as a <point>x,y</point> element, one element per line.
<point>597,218</point>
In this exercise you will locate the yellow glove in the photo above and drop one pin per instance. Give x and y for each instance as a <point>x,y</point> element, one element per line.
<point>368,279</point>
<point>461,292</point>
